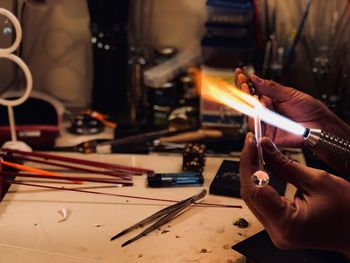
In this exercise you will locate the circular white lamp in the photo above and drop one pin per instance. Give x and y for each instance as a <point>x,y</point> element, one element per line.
<point>7,54</point>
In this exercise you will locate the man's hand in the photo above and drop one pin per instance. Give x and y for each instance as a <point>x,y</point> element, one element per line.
<point>319,215</point>
<point>301,108</point>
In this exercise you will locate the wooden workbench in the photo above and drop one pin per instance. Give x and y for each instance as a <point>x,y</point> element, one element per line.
<point>30,230</point>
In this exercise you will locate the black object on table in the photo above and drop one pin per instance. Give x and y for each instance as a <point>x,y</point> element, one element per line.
<point>260,249</point>
<point>227,182</point>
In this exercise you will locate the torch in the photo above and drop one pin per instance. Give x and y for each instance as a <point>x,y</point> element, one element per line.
<point>328,142</point>
<point>224,92</point>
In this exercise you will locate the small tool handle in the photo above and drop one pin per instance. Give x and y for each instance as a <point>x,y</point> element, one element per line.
<point>193,136</point>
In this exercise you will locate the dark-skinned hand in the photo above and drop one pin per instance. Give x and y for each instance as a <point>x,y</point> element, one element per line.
<point>318,217</point>
<point>299,107</point>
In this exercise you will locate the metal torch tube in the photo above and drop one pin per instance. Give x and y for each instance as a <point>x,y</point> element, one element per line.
<point>328,142</point>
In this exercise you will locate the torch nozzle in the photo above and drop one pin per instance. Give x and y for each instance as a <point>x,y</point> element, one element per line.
<point>328,142</point>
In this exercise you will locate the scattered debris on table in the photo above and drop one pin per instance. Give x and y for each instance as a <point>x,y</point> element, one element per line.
<point>64,213</point>
<point>240,222</point>
<point>204,250</point>
<point>165,231</point>
<point>227,246</point>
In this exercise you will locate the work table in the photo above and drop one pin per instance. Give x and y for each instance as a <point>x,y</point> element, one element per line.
<point>30,230</point>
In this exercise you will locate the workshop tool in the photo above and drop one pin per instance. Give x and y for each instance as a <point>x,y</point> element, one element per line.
<point>328,142</point>
<point>129,142</point>
<point>165,215</point>
<point>192,136</point>
<point>227,94</point>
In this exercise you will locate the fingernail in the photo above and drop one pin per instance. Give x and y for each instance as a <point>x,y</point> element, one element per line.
<point>249,136</point>
<point>268,145</point>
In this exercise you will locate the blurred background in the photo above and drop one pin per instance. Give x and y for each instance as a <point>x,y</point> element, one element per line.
<point>134,67</point>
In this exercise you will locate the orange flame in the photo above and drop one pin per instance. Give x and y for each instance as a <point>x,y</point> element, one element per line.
<point>220,91</point>
<point>223,92</point>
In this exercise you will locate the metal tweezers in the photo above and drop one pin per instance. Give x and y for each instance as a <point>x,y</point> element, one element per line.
<point>166,215</point>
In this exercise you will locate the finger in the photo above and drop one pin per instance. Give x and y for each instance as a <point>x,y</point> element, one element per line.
<point>272,89</point>
<point>251,124</point>
<point>245,88</point>
<point>242,78</point>
<point>267,102</point>
<point>270,132</point>
<point>285,168</point>
<point>268,206</point>
<point>293,139</point>
<point>237,72</point>
<point>239,77</point>
<point>251,201</point>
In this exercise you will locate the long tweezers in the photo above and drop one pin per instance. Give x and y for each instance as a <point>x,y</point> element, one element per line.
<point>166,215</point>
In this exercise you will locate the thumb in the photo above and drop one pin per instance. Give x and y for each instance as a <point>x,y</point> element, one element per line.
<point>272,89</point>
<point>248,163</point>
<point>265,203</point>
<point>285,168</point>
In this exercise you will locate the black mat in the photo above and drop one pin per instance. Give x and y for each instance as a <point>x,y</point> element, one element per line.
<point>260,249</point>
<point>227,181</point>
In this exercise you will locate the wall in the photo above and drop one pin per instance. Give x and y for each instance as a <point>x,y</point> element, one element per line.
<point>56,43</point>
<point>57,39</point>
<point>177,23</point>
<point>56,46</point>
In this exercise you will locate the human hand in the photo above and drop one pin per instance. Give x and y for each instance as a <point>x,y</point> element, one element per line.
<point>318,216</point>
<point>295,105</point>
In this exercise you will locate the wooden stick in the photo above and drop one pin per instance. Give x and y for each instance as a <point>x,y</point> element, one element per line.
<point>120,195</point>
<point>80,161</point>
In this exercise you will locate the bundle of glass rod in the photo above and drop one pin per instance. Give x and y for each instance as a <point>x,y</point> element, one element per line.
<point>122,174</point>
